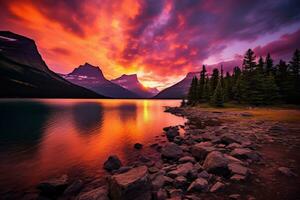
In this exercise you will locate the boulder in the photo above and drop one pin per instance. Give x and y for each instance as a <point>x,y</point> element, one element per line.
<point>74,188</point>
<point>138,146</point>
<point>286,171</point>
<point>216,163</point>
<point>161,194</point>
<point>171,132</point>
<point>160,181</point>
<point>112,163</point>
<point>217,187</point>
<point>181,170</point>
<point>204,175</point>
<point>237,177</point>
<point>232,159</point>
<point>180,182</point>
<point>201,149</point>
<point>132,185</point>
<point>245,153</point>
<point>234,196</point>
<point>230,138</point>
<point>200,184</point>
<point>175,194</point>
<point>53,187</point>
<point>178,140</point>
<point>95,194</point>
<point>236,168</point>
<point>171,151</point>
<point>187,159</point>
<point>233,146</point>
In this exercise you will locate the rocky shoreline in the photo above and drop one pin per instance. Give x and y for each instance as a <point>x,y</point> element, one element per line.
<point>214,155</point>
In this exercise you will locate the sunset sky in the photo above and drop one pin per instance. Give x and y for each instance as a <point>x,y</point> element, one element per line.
<point>160,40</point>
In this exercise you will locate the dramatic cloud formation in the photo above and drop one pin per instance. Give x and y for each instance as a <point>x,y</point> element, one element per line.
<point>160,40</point>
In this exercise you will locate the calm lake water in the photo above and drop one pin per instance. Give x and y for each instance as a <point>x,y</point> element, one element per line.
<point>41,139</point>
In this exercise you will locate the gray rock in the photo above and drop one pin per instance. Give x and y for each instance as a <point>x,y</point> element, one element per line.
<point>217,187</point>
<point>201,149</point>
<point>237,177</point>
<point>234,196</point>
<point>74,188</point>
<point>153,170</point>
<point>175,193</point>
<point>95,194</point>
<point>161,194</point>
<point>230,138</point>
<point>122,170</point>
<point>171,151</point>
<point>171,132</point>
<point>200,184</point>
<point>132,185</point>
<point>112,163</point>
<point>238,169</point>
<point>53,187</point>
<point>204,175</point>
<point>181,170</point>
<point>245,153</point>
<point>216,163</point>
<point>187,159</point>
<point>233,146</point>
<point>138,146</point>
<point>286,171</point>
<point>180,182</point>
<point>160,181</point>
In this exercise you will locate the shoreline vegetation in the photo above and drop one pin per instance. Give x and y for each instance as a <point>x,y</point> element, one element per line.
<point>257,83</point>
<point>229,153</point>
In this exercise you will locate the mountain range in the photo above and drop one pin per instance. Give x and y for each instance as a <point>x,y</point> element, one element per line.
<point>180,89</point>
<point>23,73</point>
<point>91,77</point>
<point>131,82</point>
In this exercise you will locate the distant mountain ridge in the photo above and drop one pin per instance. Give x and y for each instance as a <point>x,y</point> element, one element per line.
<point>178,90</point>
<point>23,72</point>
<point>131,82</point>
<point>91,77</point>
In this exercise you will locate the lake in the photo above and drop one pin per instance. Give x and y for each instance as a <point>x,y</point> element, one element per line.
<point>45,138</point>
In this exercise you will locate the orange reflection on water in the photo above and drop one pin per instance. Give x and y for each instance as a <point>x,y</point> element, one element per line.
<point>81,134</point>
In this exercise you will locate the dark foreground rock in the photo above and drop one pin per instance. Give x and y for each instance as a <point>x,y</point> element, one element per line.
<point>132,185</point>
<point>112,163</point>
<point>53,187</point>
<point>171,151</point>
<point>95,194</point>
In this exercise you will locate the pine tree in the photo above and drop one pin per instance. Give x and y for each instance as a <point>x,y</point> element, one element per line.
<point>214,81</point>
<point>218,98</point>
<point>270,90</point>
<point>249,61</point>
<point>201,84</point>
<point>269,65</point>
<point>295,76</point>
<point>260,65</point>
<point>228,88</point>
<point>207,92</point>
<point>192,95</point>
<point>222,77</point>
<point>237,90</point>
<point>283,81</point>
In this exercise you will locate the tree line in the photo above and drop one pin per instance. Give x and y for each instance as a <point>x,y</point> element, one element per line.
<point>257,83</point>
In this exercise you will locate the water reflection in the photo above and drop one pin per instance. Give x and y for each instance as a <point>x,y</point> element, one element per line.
<point>57,133</point>
<point>22,123</point>
<point>127,112</point>
<point>88,116</point>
